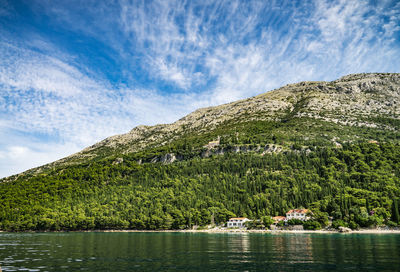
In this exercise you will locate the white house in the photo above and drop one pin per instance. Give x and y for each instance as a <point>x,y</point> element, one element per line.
<point>237,222</point>
<point>298,214</point>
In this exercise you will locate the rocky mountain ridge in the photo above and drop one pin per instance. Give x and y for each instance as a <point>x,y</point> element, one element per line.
<point>340,101</point>
<point>357,100</point>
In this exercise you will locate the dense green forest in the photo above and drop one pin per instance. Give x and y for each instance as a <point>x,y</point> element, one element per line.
<point>357,184</point>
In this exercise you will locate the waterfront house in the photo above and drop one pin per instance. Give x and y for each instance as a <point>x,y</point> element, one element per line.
<point>278,219</point>
<point>237,222</point>
<point>300,214</point>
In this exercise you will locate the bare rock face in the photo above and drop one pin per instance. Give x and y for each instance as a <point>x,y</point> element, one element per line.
<point>344,230</point>
<point>118,161</point>
<point>165,159</point>
<point>168,158</point>
<point>272,149</point>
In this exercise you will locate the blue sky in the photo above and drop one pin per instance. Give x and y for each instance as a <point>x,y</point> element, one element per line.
<point>75,72</point>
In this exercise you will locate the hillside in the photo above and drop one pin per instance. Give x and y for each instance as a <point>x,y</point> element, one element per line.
<point>320,111</point>
<point>329,146</point>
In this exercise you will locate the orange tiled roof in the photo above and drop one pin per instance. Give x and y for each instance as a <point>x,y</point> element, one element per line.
<point>278,218</point>
<point>237,218</point>
<point>298,211</point>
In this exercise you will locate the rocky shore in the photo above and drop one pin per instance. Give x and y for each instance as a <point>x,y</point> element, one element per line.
<point>226,230</point>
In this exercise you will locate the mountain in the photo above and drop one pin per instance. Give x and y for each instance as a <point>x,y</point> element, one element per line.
<point>305,112</point>
<point>329,146</point>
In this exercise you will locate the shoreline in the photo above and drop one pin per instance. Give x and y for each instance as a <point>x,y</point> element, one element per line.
<point>237,231</point>
<point>361,231</point>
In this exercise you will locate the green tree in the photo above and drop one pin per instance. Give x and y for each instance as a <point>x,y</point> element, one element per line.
<point>267,221</point>
<point>395,211</point>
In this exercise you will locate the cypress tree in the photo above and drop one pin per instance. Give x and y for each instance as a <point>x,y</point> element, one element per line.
<point>395,211</point>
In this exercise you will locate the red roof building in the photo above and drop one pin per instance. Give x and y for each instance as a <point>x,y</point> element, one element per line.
<point>277,219</point>
<point>298,214</point>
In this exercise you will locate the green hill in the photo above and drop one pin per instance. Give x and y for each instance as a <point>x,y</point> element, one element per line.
<point>332,147</point>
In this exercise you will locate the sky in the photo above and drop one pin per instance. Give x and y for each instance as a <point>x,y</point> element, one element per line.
<point>75,72</point>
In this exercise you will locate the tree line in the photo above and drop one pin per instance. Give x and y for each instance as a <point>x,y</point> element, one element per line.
<point>357,185</point>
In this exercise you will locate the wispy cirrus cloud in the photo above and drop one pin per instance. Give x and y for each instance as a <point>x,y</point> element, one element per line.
<point>50,109</point>
<point>46,95</point>
<point>79,71</point>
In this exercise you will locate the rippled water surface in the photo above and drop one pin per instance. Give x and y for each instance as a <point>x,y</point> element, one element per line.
<point>198,252</point>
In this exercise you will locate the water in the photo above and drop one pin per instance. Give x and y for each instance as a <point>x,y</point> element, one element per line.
<point>198,252</point>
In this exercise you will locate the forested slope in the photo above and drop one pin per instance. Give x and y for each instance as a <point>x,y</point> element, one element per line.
<point>332,147</point>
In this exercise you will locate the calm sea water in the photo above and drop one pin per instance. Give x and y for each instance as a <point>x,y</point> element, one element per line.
<point>198,252</point>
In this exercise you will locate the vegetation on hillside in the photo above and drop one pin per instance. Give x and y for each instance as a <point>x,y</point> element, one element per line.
<point>358,184</point>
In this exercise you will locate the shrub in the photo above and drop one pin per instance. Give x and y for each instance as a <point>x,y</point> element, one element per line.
<point>267,221</point>
<point>353,225</point>
<point>391,224</point>
<point>202,228</point>
<point>311,225</point>
<point>295,222</point>
<point>321,217</point>
<point>339,223</point>
<point>254,225</point>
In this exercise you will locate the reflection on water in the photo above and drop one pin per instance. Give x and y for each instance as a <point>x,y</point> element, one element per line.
<point>197,252</point>
<point>238,248</point>
<point>240,243</point>
<point>296,249</point>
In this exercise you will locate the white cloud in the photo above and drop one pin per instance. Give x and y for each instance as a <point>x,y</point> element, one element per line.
<point>15,159</point>
<point>170,50</point>
<point>24,69</point>
<point>354,37</point>
<point>14,152</point>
